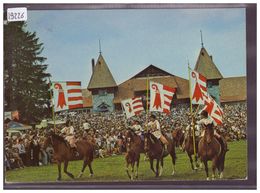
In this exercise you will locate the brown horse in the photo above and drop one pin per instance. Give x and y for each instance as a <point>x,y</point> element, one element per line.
<point>134,147</point>
<point>64,153</point>
<point>211,148</point>
<point>189,148</point>
<point>154,149</point>
<point>178,137</point>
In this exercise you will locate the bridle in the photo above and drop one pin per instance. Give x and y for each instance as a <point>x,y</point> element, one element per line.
<point>128,139</point>
<point>146,141</point>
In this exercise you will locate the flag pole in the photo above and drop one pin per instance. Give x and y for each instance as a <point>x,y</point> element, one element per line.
<point>147,97</point>
<point>52,107</point>
<point>125,118</point>
<point>192,118</point>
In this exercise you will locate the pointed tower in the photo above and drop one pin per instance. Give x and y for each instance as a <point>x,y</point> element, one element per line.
<point>207,68</point>
<point>103,86</point>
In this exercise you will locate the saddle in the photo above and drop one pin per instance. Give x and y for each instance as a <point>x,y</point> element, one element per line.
<point>222,143</point>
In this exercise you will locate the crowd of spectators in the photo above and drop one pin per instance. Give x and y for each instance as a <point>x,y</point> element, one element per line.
<point>106,131</point>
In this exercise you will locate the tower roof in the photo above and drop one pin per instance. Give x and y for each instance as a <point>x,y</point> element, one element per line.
<point>206,66</point>
<point>101,76</point>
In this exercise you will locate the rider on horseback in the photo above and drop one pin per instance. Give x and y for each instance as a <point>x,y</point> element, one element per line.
<point>206,120</point>
<point>68,132</point>
<point>188,131</point>
<point>136,127</point>
<point>154,127</point>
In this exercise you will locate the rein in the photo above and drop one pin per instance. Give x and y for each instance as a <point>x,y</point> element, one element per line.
<point>51,140</point>
<point>153,142</point>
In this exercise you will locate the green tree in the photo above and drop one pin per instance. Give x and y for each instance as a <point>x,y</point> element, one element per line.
<point>25,77</point>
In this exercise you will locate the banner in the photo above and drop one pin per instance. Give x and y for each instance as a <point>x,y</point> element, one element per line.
<point>198,84</point>
<point>213,109</point>
<point>132,106</point>
<point>161,97</point>
<point>67,95</point>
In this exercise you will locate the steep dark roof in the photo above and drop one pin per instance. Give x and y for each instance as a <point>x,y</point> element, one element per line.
<point>151,70</point>
<point>138,82</point>
<point>101,76</point>
<point>206,66</point>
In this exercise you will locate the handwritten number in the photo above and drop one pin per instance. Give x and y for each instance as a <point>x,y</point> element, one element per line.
<point>17,14</point>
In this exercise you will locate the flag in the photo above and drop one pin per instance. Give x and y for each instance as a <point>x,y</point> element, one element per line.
<point>213,109</point>
<point>132,106</point>
<point>198,84</point>
<point>67,95</point>
<point>161,97</point>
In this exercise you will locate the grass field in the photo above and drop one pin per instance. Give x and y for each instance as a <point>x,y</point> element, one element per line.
<point>113,169</point>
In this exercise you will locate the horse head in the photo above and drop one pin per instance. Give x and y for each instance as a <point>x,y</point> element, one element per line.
<point>148,141</point>
<point>47,141</point>
<point>177,136</point>
<point>51,138</point>
<point>129,138</point>
<point>209,132</point>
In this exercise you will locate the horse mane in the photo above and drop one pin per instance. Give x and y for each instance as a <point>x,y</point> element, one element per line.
<point>152,137</point>
<point>58,138</point>
<point>210,126</point>
<point>132,132</point>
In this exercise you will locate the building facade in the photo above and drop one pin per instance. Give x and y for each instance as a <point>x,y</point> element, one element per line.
<point>102,86</point>
<point>104,95</point>
<point>208,69</point>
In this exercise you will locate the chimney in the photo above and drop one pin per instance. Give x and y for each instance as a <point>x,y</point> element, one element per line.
<point>211,58</point>
<point>93,65</point>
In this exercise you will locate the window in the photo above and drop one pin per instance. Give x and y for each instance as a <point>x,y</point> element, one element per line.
<point>102,92</point>
<point>209,84</point>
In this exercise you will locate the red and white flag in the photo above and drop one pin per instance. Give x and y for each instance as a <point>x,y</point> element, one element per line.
<point>198,84</point>
<point>132,106</point>
<point>213,109</point>
<point>161,97</point>
<point>67,95</point>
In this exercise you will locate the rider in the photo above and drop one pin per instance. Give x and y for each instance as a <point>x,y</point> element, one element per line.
<point>206,120</point>
<point>188,130</point>
<point>68,132</point>
<point>154,127</point>
<point>136,127</point>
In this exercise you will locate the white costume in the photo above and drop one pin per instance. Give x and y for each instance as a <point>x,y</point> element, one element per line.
<point>137,129</point>
<point>154,127</point>
<point>197,130</point>
<point>69,132</point>
<point>204,122</point>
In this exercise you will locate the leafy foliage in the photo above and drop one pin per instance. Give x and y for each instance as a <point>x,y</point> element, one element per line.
<point>25,76</point>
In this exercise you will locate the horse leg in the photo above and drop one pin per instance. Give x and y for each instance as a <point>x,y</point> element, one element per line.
<point>90,169</point>
<point>161,167</point>
<point>65,169</point>
<point>151,165</point>
<point>132,170</point>
<point>59,171</point>
<point>157,168</point>
<point>83,168</point>
<point>206,168</point>
<point>127,171</point>
<point>221,169</point>
<point>214,166</point>
<point>197,165</point>
<point>191,161</point>
<point>173,163</point>
<point>137,166</point>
